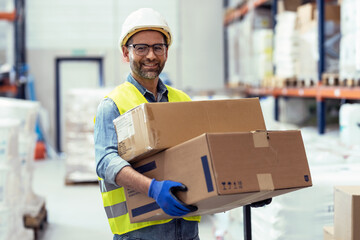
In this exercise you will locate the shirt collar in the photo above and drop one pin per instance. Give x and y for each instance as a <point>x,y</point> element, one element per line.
<point>161,87</point>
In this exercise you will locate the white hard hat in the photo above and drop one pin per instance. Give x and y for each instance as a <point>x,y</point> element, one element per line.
<point>144,19</point>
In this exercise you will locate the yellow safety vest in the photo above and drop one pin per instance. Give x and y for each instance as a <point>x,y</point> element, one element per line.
<point>126,96</point>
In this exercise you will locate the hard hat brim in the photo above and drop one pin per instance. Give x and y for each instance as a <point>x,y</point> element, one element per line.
<point>147,28</point>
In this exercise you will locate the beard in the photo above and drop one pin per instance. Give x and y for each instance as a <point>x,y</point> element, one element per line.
<point>150,74</point>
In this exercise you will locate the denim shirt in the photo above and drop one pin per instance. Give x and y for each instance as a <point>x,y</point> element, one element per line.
<point>108,161</point>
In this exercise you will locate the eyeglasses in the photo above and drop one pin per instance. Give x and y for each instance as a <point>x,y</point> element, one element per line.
<point>143,49</point>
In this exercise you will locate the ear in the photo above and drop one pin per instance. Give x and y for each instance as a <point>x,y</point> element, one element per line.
<point>166,54</point>
<point>126,53</point>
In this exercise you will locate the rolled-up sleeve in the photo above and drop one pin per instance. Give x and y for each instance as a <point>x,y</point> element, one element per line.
<point>108,161</point>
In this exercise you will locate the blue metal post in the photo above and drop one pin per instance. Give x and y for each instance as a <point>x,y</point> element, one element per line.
<point>320,108</point>
<point>321,116</point>
<point>276,106</point>
<point>274,9</point>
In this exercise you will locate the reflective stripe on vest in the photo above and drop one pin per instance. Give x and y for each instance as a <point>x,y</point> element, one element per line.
<point>126,96</point>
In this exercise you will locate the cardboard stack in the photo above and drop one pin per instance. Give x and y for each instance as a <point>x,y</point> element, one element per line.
<point>219,149</point>
<point>346,214</point>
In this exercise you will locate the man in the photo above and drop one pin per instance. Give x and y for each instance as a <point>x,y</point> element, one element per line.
<point>144,43</point>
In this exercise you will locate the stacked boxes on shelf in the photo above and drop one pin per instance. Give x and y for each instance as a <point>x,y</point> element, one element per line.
<point>17,146</point>
<point>350,40</point>
<point>79,127</point>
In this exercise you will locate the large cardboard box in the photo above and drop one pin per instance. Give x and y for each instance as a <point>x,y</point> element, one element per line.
<point>225,170</point>
<point>329,233</point>
<point>347,212</point>
<point>152,127</point>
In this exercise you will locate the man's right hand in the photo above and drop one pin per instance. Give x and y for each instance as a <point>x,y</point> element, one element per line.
<point>162,192</point>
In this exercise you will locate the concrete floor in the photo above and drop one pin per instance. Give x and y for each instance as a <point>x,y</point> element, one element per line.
<point>75,212</point>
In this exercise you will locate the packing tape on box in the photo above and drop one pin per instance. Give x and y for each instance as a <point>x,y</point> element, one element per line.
<point>148,113</point>
<point>260,139</point>
<point>265,182</point>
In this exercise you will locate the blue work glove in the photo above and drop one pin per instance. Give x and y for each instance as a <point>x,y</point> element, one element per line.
<point>164,194</point>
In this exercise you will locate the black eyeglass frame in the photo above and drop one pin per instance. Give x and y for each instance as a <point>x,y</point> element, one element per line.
<point>148,48</point>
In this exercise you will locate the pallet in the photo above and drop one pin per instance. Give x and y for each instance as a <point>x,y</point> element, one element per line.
<point>82,178</point>
<point>333,79</point>
<point>305,82</point>
<point>38,222</point>
<point>288,82</point>
<point>280,82</point>
<point>299,82</point>
<point>330,79</point>
<point>350,82</point>
<point>74,183</point>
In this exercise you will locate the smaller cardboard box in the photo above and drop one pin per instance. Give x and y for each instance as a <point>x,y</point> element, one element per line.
<point>286,5</point>
<point>329,233</point>
<point>347,212</point>
<point>307,14</point>
<point>225,170</point>
<point>152,127</point>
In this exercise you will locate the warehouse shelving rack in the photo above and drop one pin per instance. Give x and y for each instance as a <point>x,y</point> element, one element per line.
<point>9,16</point>
<point>319,92</point>
<point>17,17</point>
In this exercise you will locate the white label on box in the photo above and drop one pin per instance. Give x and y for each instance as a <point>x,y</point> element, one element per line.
<point>125,128</point>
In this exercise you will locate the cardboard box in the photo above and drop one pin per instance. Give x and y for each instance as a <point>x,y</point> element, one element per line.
<point>307,14</point>
<point>152,127</point>
<point>225,170</point>
<point>288,5</point>
<point>347,212</point>
<point>329,233</point>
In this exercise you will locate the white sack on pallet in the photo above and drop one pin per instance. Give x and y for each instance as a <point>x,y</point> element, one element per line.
<point>349,16</point>
<point>349,120</point>
<point>309,50</point>
<point>246,39</point>
<point>234,38</point>
<point>24,110</point>
<point>9,132</point>
<point>79,124</point>
<point>263,54</point>
<point>350,40</point>
<point>285,45</point>
<point>19,194</point>
<point>348,56</point>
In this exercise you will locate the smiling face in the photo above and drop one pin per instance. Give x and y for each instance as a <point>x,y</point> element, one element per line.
<point>148,67</point>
